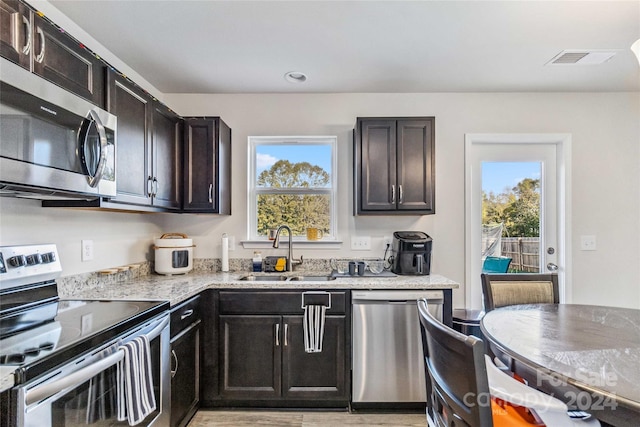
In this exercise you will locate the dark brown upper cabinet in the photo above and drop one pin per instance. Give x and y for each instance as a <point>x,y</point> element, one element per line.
<point>207,166</point>
<point>149,151</point>
<point>37,45</point>
<point>394,166</point>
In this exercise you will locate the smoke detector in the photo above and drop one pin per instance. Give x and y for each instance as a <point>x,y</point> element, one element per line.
<point>582,57</point>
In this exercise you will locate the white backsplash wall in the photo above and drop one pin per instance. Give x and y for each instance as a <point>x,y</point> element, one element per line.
<point>118,238</point>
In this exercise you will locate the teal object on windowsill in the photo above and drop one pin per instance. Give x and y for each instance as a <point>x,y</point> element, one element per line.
<point>496,264</point>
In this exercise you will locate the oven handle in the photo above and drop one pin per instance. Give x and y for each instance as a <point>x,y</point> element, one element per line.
<point>44,391</point>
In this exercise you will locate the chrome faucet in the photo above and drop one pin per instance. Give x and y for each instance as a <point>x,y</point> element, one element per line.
<point>276,244</point>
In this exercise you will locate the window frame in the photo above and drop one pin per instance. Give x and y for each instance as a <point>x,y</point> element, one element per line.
<point>253,191</point>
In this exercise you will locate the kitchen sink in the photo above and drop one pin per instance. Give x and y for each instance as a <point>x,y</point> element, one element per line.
<point>279,278</point>
<point>311,278</point>
<point>252,278</point>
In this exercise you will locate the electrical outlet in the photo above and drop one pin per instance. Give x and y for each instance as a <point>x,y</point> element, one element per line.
<point>360,243</point>
<point>87,250</point>
<point>386,242</point>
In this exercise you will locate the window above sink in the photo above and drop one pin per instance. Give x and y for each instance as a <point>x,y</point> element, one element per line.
<point>292,181</point>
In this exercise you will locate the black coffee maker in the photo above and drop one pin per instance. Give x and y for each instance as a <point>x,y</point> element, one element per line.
<point>411,251</point>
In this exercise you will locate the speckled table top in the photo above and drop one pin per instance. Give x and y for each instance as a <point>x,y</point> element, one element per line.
<point>594,348</point>
<point>178,288</point>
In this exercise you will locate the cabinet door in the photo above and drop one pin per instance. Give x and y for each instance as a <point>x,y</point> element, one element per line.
<point>133,150</point>
<point>207,166</point>
<point>59,58</point>
<point>167,158</point>
<point>250,357</point>
<point>15,32</point>
<point>315,375</point>
<point>185,375</point>
<point>378,190</point>
<point>415,162</point>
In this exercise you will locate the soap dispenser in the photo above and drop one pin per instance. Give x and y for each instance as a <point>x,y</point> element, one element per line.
<point>257,261</point>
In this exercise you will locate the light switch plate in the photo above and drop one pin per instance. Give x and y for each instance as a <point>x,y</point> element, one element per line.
<point>588,243</point>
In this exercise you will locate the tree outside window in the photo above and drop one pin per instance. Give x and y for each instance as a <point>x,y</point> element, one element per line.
<point>292,182</point>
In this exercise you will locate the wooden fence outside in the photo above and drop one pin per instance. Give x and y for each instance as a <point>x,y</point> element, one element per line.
<point>524,253</point>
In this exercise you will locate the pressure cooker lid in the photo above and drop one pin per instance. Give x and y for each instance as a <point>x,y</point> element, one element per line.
<point>173,240</point>
<point>411,235</point>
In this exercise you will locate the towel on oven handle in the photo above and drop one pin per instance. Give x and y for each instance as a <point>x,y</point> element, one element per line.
<point>136,399</point>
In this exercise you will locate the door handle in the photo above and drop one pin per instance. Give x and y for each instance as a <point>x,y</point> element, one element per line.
<point>393,193</point>
<point>210,193</point>
<point>400,194</point>
<point>277,334</point>
<point>552,267</point>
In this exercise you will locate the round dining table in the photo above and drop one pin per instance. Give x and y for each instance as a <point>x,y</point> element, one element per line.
<point>587,356</point>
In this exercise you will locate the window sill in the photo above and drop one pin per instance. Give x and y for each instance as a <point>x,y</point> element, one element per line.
<point>300,244</point>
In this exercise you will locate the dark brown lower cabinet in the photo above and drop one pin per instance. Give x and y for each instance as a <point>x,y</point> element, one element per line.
<point>185,362</point>
<point>262,357</point>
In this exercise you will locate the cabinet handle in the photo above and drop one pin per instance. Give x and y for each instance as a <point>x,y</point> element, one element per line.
<point>40,57</point>
<point>210,193</point>
<point>400,194</point>
<point>393,193</point>
<point>277,334</point>
<point>175,357</point>
<point>17,24</point>
<point>149,186</point>
<point>286,334</point>
<point>154,185</point>
<point>186,314</point>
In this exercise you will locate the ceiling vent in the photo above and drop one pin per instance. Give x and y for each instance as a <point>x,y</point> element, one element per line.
<point>582,57</point>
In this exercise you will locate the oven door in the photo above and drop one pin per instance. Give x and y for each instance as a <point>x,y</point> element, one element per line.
<point>85,392</point>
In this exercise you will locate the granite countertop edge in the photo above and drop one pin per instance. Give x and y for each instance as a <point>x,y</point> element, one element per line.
<point>179,288</point>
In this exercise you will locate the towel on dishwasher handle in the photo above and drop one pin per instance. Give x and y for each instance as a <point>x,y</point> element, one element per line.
<point>136,399</point>
<point>313,327</point>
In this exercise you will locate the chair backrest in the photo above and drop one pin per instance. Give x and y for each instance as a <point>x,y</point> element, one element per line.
<point>500,290</point>
<point>496,264</point>
<point>456,374</point>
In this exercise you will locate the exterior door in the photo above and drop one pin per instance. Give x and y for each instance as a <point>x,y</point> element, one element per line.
<point>514,171</point>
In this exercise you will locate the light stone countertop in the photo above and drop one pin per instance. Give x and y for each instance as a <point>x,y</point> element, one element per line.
<point>179,288</point>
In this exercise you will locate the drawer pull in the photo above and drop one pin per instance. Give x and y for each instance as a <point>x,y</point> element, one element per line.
<point>186,314</point>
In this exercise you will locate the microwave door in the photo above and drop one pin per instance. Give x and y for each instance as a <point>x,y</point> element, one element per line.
<point>92,140</point>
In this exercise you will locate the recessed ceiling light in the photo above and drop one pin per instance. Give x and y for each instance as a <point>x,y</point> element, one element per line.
<point>295,77</point>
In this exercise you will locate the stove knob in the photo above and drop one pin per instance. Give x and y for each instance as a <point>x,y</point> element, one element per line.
<point>12,359</point>
<point>48,257</point>
<point>32,352</point>
<point>47,346</point>
<point>34,259</point>
<point>17,261</point>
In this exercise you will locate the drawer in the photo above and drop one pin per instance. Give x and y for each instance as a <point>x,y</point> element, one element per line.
<point>277,302</point>
<point>184,315</point>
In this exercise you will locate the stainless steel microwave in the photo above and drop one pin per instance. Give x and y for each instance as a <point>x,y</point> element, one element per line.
<point>52,142</point>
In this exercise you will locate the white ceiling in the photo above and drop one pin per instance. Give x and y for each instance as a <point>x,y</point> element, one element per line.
<point>365,46</point>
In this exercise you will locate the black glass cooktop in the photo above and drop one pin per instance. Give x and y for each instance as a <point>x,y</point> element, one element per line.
<point>79,326</point>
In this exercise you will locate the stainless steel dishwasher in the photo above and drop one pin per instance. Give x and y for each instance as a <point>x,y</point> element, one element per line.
<point>387,362</point>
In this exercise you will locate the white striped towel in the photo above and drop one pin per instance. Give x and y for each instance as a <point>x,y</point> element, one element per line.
<point>313,327</point>
<point>136,399</point>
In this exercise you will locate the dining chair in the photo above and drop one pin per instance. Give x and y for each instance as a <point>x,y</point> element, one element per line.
<point>499,290</point>
<point>465,389</point>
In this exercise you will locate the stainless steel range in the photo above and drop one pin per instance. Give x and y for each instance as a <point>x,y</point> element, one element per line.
<point>61,360</point>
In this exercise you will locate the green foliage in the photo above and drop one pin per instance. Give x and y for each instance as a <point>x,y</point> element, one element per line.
<point>298,211</point>
<point>518,209</point>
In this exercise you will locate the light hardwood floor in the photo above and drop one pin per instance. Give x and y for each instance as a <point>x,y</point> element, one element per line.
<point>218,418</point>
